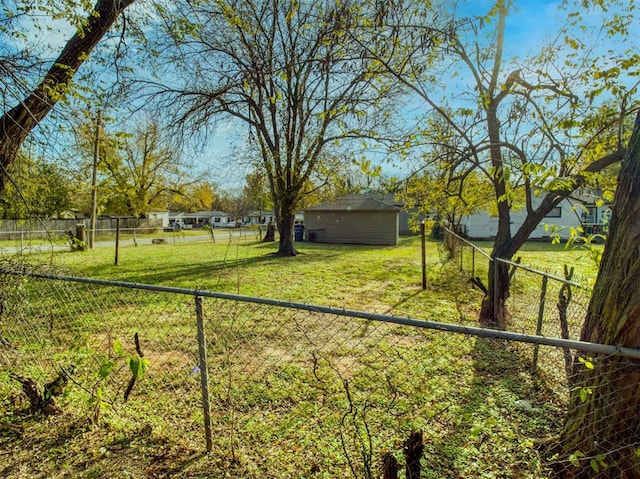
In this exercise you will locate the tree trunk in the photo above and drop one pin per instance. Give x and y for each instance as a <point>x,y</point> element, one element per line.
<point>270,235</point>
<point>17,123</point>
<point>603,422</point>
<point>390,466</point>
<point>285,229</point>
<point>493,312</point>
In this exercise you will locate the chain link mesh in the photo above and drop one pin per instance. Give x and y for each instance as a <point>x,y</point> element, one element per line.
<point>301,393</point>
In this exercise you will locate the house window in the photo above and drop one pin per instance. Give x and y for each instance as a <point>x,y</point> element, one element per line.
<point>590,215</point>
<point>555,213</point>
<point>216,220</point>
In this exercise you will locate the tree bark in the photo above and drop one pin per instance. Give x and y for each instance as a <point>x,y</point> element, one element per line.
<point>493,312</point>
<point>390,466</point>
<point>17,123</point>
<point>603,423</point>
<point>286,246</point>
<point>412,450</point>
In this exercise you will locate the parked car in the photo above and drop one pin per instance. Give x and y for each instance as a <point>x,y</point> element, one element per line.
<point>177,225</point>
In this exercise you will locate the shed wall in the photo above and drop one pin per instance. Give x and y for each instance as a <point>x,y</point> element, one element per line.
<point>356,227</point>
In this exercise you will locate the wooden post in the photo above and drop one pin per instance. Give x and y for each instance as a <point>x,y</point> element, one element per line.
<point>117,239</point>
<point>80,233</point>
<point>424,256</point>
<point>413,448</point>
<point>564,298</point>
<point>543,294</point>
<point>473,262</point>
<point>204,373</point>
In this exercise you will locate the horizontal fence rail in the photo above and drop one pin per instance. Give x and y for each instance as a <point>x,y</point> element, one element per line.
<point>418,323</point>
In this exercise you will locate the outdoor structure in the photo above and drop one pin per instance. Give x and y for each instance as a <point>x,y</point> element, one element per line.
<point>159,215</point>
<point>201,218</point>
<point>584,209</point>
<point>409,218</point>
<point>357,219</point>
<point>259,217</point>
<point>595,212</point>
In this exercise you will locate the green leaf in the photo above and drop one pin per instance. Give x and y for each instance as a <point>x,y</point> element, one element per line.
<point>584,394</point>
<point>138,366</point>
<point>575,458</point>
<point>105,369</point>
<point>118,349</point>
<point>587,363</point>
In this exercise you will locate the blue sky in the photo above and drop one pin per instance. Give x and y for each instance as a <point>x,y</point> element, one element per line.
<point>532,24</point>
<point>529,26</point>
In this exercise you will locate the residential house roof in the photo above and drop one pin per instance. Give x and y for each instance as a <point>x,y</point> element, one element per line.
<point>354,202</point>
<point>199,214</point>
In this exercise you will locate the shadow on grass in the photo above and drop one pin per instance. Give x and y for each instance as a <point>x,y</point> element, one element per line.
<point>72,447</point>
<point>201,266</point>
<point>501,412</point>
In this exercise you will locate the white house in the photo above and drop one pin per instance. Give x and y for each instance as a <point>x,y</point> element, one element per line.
<point>201,218</point>
<point>159,215</point>
<point>582,209</point>
<point>261,217</point>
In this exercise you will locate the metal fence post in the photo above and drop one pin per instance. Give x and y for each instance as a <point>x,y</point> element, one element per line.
<point>543,294</point>
<point>204,373</point>
<point>424,255</point>
<point>495,287</point>
<point>117,240</point>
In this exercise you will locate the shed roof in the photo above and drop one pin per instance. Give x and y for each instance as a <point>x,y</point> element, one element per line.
<point>354,202</point>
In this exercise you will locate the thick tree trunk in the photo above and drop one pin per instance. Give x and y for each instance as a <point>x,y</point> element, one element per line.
<point>493,312</point>
<point>413,449</point>
<point>17,123</point>
<point>286,246</point>
<point>603,423</point>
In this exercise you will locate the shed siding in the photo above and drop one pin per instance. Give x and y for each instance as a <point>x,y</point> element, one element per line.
<point>356,227</point>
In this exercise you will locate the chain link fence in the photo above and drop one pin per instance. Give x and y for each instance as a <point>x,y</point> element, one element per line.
<point>279,390</point>
<point>538,303</point>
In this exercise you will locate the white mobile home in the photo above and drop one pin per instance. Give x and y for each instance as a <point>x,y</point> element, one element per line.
<point>572,212</point>
<point>202,218</point>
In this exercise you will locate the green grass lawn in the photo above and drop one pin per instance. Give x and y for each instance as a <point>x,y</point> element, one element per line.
<point>294,394</point>
<point>379,278</point>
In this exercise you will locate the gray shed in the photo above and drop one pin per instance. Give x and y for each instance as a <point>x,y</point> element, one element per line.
<point>357,219</point>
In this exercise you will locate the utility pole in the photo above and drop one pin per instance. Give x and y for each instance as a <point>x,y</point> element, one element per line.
<point>94,180</point>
